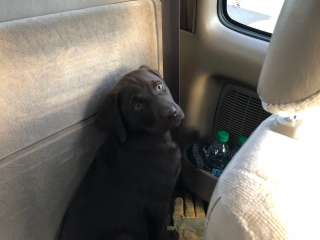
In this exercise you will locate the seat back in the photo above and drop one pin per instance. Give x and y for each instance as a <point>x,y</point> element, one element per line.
<point>270,188</point>
<point>57,60</point>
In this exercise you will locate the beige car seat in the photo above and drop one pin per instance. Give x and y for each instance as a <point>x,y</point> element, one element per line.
<point>57,58</point>
<point>270,190</point>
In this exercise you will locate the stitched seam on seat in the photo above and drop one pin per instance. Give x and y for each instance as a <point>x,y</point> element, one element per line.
<point>293,107</point>
<point>157,31</point>
<point>74,127</point>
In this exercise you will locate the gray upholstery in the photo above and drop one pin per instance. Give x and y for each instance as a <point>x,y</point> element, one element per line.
<point>290,79</point>
<point>17,9</point>
<point>53,71</point>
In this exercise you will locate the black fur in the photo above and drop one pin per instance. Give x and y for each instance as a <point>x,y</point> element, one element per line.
<point>127,191</point>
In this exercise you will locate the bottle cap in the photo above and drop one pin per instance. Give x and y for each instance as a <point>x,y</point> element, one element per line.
<point>242,140</point>
<point>223,136</point>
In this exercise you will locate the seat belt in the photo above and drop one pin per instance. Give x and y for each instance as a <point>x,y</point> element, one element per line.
<point>171,45</point>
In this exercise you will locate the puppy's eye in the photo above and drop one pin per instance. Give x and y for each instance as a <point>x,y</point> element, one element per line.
<point>138,106</point>
<point>159,87</point>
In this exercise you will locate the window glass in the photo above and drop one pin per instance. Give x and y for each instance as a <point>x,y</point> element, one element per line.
<point>258,14</point>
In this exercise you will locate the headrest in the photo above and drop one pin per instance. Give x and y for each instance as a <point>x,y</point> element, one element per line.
<point>290,79</point>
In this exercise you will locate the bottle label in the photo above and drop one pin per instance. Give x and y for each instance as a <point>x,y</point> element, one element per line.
<point>216,172</point>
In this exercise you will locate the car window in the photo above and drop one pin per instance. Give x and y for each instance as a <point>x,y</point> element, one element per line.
<point>261,15</point>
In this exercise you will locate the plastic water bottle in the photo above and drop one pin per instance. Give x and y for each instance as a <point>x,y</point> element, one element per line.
<point>219,153</point>
<point>211,156</point>
<point>240,141</point>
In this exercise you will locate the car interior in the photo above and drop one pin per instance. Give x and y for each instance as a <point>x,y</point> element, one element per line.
<point>59,58</point>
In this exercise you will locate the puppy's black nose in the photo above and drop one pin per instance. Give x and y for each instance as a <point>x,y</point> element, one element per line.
<point>172,112</point>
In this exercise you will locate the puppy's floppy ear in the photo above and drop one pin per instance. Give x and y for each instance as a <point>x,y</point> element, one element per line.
<point>109,117</point>
<point>144,67</point>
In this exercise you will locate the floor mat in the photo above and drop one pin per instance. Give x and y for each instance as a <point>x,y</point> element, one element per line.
<point>188,218</point>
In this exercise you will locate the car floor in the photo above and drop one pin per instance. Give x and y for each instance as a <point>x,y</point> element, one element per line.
<point>188,216</point>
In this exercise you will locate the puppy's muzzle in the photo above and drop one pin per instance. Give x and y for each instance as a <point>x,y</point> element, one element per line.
<point>174,115</point>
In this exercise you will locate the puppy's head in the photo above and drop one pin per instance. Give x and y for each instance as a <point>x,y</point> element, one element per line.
<point>141,103</point>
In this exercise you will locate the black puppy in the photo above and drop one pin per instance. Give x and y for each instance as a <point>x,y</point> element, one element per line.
<point>127,191</point>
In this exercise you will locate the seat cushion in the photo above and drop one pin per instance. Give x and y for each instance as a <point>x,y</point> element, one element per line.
<point>269,189</point>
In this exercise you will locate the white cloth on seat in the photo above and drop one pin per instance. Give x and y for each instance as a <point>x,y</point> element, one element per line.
<point>269,190</point>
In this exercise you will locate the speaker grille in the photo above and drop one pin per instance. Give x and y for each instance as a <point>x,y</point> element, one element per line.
<point>239,111</point>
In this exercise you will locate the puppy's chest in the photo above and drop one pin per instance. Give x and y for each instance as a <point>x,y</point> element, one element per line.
<point>159,160</point>
<point>160,174</point>
<point>156,165</point>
